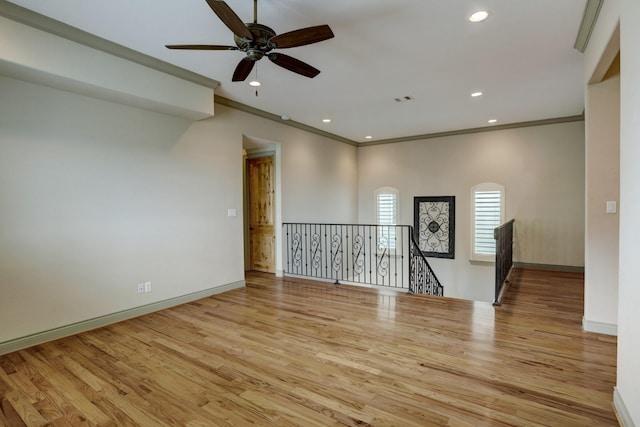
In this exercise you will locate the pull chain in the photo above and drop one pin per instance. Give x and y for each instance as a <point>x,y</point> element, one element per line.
<point>255,21</point>
<point>257,81</point>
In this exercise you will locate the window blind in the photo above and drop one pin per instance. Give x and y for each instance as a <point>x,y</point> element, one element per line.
<point>387,212</point>
<point>387,208</point>
<point>488,207</point>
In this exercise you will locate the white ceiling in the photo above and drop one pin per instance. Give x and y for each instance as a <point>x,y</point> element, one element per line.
<point>522,58</point>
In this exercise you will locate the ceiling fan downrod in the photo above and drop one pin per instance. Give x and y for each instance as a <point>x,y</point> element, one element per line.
<point>255,11</point>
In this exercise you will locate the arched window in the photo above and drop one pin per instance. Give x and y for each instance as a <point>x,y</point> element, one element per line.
<point>386,203</point>
<point>487,213</point>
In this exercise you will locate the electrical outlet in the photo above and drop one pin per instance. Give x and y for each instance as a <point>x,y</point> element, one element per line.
<point>140,288</point>
<point>147,286</point>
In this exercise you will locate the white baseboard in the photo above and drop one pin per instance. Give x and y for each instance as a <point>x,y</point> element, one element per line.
<point>86,325</point>
<point>279,273</point>
<point>599,327</point>
<point>621,410</point>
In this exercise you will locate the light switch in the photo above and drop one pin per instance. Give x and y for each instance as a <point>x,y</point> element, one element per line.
<point>231,212</point>
<point>611,207</point>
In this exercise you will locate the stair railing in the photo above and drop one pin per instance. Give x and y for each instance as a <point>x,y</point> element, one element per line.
<point>503,236</point>
<point>423,279</point>
<point>365,254</point>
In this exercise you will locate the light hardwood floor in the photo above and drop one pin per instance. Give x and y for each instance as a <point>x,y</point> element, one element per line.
<point>292,352</point>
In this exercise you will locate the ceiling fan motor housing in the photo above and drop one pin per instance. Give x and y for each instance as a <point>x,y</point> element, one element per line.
<point>260,45</point>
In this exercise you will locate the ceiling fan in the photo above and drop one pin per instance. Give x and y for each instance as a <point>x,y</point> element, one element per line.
<point>257,40</point>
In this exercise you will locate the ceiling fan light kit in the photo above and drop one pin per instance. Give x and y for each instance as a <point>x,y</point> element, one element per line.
<point>257,41</point>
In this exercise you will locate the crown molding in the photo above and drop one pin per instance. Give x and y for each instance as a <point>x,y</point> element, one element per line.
<point>270,116</point>
<point>264,114</point>
<point>589,18</point>
<point>568,119</point>
<point>44,23</point>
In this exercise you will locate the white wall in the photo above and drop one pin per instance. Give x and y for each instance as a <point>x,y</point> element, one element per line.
<point>96,197</point>
<point>628,385</point>
<point>602,140</point>
<point>542,169</point>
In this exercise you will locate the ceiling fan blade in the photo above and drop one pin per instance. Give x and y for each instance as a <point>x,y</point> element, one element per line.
<point>230,19</point>
<point>302,36</point>
<point>243,69</point>
<point>200,47</point>
<point>293,64</point>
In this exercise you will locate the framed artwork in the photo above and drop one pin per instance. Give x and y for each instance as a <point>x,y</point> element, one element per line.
<point>434,225</point>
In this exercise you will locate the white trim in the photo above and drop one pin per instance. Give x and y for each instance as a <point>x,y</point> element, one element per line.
<point>621,409</point>
<point>599,327</point>
<point>86,325</point>
<point>279,273</point>
<point>257,153</point>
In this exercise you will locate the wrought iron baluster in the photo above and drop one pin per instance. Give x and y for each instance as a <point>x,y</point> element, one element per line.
<point>359,253</point>
<point>287,228</point>
<point>336,248</point>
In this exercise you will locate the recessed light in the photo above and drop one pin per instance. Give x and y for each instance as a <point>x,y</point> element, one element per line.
<point>493,120</point>
<point>326,120</point>
<point>479,16</point>
<point>476,94</point>
<point>368,137</point>
<point>285,117</point>
<point>255,83</point>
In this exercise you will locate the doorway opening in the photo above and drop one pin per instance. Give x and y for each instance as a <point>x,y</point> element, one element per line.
<point>262,211</point>
<point>261,214</point>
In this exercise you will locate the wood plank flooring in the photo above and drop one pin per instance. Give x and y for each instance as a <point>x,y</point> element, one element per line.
<point>301,353</point>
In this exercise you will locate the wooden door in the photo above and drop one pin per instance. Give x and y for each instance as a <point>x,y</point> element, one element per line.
<point>261,214</point>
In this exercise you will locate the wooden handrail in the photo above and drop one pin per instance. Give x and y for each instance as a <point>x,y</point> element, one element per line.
<point>504,258</point>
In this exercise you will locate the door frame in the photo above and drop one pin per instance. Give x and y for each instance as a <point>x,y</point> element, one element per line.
<point>264,149</point>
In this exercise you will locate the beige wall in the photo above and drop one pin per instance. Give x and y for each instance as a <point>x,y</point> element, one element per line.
<point>602,105</point>
<point>40,57</point>
<point>316,177</point>
<point>622,16</point>
<point>318,174</point>
<point>96,197</point>
<point>541,168</point>
<point>629,291</point>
